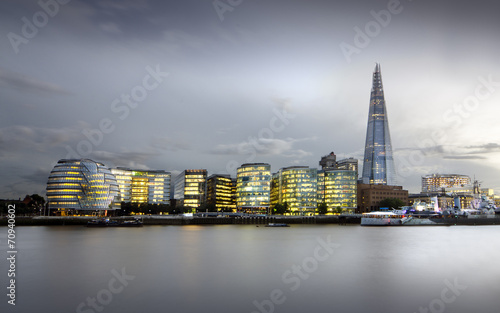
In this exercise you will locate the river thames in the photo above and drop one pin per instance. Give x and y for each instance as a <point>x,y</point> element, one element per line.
<point>244,268</point>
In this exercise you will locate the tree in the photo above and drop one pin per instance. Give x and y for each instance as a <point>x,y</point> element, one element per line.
<point>287,208</point>
<point>391,203</point>
<point>338,210</point>
<point>208,207</point>
<point>279,209</point>
<point>322,208</point>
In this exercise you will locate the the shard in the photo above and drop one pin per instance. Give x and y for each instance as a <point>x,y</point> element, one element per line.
<point>378,165</point>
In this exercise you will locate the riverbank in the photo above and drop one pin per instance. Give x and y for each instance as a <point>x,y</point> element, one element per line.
<point>234,220</point>
<point>185,220</point>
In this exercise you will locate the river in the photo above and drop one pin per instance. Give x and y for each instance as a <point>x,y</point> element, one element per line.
<point>244,268</point>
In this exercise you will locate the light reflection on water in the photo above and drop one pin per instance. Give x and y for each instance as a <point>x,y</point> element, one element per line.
<point>230,268</point>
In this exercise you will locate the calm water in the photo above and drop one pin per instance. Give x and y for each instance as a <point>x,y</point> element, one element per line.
<point>242,268</point>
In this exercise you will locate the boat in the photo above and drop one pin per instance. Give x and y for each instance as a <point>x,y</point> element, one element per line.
<point>131,223</point>
<point>103,222</point>
<point>384,218</point>
<point>277,225</point>
<point>106,222</point>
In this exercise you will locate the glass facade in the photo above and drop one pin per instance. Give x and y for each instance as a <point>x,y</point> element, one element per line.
<point>297,186</point>
<point>190,188</point>
<point>141,186</point>
<point>337,188</point>
<point>82,185</point>
<point>220,192</point>
<point>442,182</point>
<point>378,166</point>
<point>253,186</point>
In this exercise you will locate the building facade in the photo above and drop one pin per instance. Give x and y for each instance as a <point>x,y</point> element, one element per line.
<point>350,164</point>
<point>369,196</point>
<point>77,186</point>
<point>378,162</point>
<point>220,191</point>
<point>296,186</point>
<point>143,186</point>
<point>190,188</point>
<point>338,189</point>
<point>441,182</point>
<point>253,187</point>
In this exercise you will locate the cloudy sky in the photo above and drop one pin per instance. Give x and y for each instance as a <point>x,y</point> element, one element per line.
<point>213,84</point>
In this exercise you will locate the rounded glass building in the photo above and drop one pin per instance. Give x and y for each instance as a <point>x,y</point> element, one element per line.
<point>81,185</point>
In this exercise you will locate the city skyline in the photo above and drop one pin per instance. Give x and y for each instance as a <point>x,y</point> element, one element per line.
<point>173,86</point>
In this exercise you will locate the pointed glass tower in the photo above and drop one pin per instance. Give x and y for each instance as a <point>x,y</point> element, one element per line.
<point>378,165</point>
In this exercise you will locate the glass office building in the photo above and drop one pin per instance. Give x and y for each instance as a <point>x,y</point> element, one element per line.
<point>253,187</point>
<point>143,186</point>
<point>296,186</point>
<point>190,188</point>
<point>338,189</point>
<point>81,185</point>
<point>220,192</point>
<point>378,166</point>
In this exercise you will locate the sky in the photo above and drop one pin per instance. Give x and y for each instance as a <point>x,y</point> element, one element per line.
<point>190,84</point>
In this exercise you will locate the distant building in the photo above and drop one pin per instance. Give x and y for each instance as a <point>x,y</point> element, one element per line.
<point>378,162</point>
<point>220,192</point>
<point>296,186</point>
<point>253,187</point>
<point>143,186</point>
<point>77,186</point>
<point>190,188</point>
<point>338,189</point>
<point>439,182</point>
<point>369,196</point>
<point>328,162</point>
<point>350,164</point>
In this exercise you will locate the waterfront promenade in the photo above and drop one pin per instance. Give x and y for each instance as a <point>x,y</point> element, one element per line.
<point>348,219</point>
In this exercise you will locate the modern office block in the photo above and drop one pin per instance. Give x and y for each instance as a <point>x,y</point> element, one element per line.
<point>296,186</point>
<point>190,188</point>
<point>253,186</point>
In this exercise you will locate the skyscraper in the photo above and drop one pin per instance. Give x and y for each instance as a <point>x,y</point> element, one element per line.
<point>378,165</point>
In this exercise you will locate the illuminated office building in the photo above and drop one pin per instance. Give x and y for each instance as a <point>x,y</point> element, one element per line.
<point>81,185</point>
<point>350,164</point>
<point>253,186</point>
<point>442,182</point>
<point>338,189</point>
<point>296,186</point>
<point>190,188</point>
<point>378,162</point>
<point>143,186</point>
<point>220,192</point>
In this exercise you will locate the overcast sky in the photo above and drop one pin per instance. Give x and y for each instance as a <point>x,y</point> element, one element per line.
<point>186,84</point>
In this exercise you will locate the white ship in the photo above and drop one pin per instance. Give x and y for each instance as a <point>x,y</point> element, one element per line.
<point>384,218</point>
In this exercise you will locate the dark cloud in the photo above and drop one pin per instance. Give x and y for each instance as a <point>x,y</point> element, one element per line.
<point>136,160</point>
<point>486,148</point>
<point>25,83</point>
<point>464,157</point>
<point>169,144</point>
